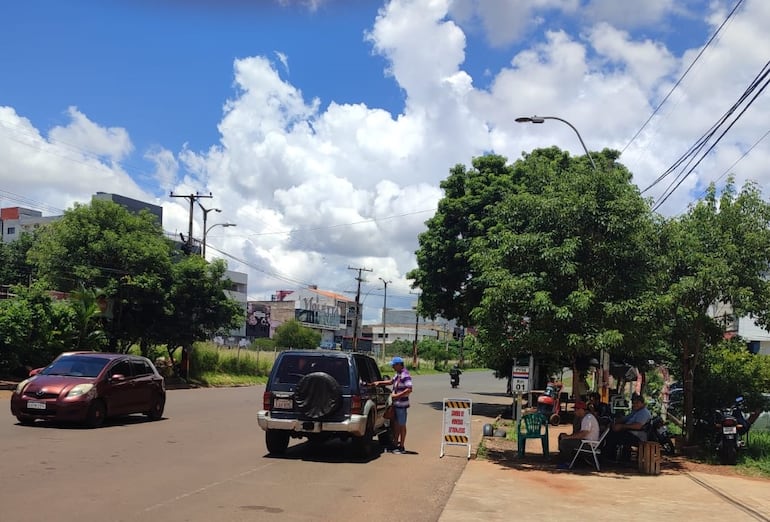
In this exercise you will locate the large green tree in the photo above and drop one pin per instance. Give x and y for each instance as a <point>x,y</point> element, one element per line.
<point>103,245</point>
<point>545,256</point>
<point>292,334</point>
<point>14,267</point>
<point>33,328</point>
<point>718,253</point>
<point>198,306</point>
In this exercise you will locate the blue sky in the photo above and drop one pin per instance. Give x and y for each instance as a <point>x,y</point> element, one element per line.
<point>323,128</point>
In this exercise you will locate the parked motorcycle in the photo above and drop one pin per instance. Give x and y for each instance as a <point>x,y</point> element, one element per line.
<point>657,431</point>
<point>727,431</point>
<point>549,403</point>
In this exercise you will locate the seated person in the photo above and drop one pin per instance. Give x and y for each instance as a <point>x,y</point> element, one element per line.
<point>601,410</point>
<point>589,430</point>
<point>629,430</point>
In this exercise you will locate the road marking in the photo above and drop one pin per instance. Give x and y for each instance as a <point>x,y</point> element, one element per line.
<point>205,488</point>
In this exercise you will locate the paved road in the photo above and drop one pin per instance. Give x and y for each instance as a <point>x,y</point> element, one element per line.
<point>207,461</point>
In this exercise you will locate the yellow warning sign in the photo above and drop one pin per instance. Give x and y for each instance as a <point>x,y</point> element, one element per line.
<point>462,439</point>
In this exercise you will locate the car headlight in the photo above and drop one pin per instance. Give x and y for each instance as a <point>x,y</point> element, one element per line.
<point>80,389</point>
<point>20,387</point>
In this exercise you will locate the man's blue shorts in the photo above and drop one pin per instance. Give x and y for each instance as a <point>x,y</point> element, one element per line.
<point>400,416</point>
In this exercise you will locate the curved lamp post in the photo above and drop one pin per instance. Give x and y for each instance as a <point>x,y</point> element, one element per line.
<point>206,233</point>
<point>541,119</point>
<point>604,356</point>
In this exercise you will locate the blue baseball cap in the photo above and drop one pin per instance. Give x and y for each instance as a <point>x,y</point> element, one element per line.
<point>396,360</point>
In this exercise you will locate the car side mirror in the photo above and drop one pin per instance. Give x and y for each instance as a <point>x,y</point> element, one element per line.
<point>34,372</point>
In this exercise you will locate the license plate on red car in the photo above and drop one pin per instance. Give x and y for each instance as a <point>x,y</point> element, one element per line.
<point>35,405</point>
<point>283,404</point>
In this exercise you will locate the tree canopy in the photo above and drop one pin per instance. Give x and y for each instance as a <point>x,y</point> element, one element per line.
<point>126,284</point>
<point>546,246</point>
<point>552,257</point>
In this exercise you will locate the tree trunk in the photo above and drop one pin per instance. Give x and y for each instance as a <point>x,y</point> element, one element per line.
<point>688,368</point>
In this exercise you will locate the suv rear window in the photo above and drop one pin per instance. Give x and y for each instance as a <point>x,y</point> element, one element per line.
<point>293,367</point>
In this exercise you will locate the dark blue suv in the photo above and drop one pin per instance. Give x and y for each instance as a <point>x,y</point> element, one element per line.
<point>320,394</point>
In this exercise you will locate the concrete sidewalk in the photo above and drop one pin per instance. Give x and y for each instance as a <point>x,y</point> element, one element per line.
<point>504,486</point>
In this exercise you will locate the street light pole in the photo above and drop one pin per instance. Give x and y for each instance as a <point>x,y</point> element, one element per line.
<point>541,119</point>
<point>384,308</point>
<point>205,217</point>
<point>206,233</point>
<point>603,355</point>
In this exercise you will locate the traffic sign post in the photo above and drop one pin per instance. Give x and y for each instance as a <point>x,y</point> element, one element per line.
<point>519,386</point>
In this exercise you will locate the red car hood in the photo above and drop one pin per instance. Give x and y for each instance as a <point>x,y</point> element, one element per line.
<point>54,383</point>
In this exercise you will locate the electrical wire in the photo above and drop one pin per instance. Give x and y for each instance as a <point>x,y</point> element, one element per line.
<point>682,77</point>
<point>683,176</point>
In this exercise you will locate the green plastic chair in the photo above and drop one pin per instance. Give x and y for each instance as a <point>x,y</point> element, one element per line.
<point>532,426</point>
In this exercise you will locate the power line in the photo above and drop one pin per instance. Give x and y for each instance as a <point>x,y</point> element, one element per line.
<point>679,81</point>
<point>682,176</point>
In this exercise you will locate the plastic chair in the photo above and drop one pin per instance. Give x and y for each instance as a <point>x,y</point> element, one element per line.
<point>532,426</point>
<point>592,447</point>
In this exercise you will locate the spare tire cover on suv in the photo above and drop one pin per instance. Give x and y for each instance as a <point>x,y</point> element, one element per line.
<point>317,395</point>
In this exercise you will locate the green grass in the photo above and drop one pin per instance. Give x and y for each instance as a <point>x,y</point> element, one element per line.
<point>755,460</point>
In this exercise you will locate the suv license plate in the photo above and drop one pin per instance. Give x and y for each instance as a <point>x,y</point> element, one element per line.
<point>283,404</point>
<point>727,430</point>
<point>34,405</point>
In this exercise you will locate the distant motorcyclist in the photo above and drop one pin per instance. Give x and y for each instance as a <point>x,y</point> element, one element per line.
<point>454,375</point>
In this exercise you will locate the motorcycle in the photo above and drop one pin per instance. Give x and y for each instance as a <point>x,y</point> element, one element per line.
<point>454,377</point>
<point>728,431</point>
<point>657,431</point>
<point>726,436</point>
<point>549,403</point>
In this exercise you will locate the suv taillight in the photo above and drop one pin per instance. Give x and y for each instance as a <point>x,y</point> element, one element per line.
<point>355,404</point>
<point>267,400</point>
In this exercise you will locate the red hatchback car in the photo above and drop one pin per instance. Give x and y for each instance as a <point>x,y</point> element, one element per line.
<point>88,387</point>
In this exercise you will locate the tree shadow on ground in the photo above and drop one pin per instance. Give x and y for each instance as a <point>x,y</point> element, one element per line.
<point>508,457</point>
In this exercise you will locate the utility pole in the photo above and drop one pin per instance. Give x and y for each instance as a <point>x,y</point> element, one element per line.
<point>358,297</point>
<point>185,362</point>
<point>193,198</point>
<point>416,328</point>
<point>384,308</point>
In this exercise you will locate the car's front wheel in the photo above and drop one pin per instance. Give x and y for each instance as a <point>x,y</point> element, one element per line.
<point>156,408</point>
<point>277,441</point>
<point>96,414</point>
<point>25,421</point>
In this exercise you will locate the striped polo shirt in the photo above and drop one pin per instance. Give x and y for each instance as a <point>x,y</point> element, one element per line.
<point>400,382</point>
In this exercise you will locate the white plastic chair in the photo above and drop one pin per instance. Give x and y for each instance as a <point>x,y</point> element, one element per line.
<point>592,447</point>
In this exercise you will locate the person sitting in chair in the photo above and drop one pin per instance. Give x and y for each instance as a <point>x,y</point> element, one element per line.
<point>601,410</point>
<point>629,430</point>
<point>589,430</point>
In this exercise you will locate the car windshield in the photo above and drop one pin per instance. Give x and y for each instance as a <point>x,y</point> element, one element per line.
<point>76,366</point>
<point>294,367</point>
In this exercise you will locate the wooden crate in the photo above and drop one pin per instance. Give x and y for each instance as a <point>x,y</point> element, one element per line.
<point>650,457</point>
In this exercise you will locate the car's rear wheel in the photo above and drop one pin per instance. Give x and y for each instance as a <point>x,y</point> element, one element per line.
<point>25,420</point>
<point>277,441</point>
<point>317,395</point>
<point>362,446</point>
<point>156,408</point>
<point>96,414</point>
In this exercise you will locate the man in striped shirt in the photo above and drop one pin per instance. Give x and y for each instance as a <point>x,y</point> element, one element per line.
<point>402,387</point>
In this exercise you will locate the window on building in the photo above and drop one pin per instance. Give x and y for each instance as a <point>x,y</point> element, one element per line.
<point>10,230</point>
